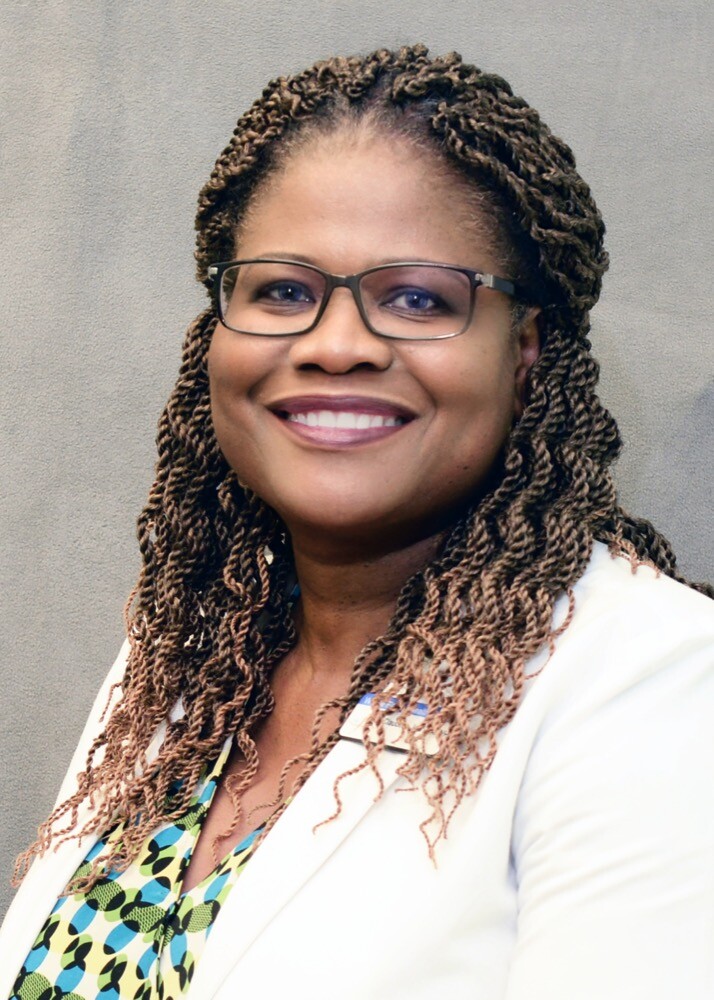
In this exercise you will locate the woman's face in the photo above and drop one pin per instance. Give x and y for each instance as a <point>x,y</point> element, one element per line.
<point>446,406</point>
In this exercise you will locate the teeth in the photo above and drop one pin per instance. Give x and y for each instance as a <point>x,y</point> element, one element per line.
<point>343,420</point>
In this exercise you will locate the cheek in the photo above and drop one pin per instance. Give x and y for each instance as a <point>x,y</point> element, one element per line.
<point>227,366</point>
<point>234,376</point>
<point>474,384</point>
<point>238,366</point>
<point>474,407</point>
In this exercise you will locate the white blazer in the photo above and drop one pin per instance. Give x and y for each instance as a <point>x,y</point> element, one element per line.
<point>583,868</point>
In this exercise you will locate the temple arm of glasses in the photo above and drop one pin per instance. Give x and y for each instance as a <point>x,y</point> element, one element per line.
<point>500,284</point>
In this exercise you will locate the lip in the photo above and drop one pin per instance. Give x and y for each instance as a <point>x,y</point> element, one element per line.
<point>332,437</point>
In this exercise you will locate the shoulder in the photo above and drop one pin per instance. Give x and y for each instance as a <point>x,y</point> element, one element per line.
<point>632,638</point>
<point>611,586</point>
<point>627,626</point>
<point>631,675</point>
<point>612,841</point>
<point>612,832</point>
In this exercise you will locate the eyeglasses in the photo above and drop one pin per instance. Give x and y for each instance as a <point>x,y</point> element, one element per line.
<point>403,301</point>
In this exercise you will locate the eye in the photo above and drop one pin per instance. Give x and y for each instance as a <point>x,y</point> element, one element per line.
<point>285,293</point>
<point>415,301</point>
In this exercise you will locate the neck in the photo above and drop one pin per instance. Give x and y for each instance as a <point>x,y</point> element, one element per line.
<point>347,602</point>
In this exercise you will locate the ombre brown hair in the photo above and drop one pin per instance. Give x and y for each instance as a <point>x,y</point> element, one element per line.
<point>210,615</point>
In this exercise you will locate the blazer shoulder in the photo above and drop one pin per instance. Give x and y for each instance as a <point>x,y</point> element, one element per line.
<point>627,628</point>
<point>612,829</point>
<point>634,600</point>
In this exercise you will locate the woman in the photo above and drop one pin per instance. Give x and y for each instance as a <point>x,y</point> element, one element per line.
<point>383,553</point>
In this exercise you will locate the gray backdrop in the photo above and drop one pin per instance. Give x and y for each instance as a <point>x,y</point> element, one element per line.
<point>112,116</point>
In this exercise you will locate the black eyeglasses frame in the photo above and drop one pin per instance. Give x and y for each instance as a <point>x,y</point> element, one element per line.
<point>477,279</point>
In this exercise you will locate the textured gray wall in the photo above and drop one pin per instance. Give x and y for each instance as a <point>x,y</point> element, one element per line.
<point>112,115</point>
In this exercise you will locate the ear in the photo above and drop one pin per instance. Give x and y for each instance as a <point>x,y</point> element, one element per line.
<point>528,349</point>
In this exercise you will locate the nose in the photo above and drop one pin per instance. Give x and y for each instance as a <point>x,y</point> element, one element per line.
<point>340,342</point>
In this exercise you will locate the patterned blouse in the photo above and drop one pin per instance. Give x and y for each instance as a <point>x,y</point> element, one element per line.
<point>135,935</point>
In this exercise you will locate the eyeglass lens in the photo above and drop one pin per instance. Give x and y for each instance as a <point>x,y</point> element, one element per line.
<point>410,301</point>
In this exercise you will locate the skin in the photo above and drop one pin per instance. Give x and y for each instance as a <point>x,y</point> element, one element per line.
<point>364,517</point>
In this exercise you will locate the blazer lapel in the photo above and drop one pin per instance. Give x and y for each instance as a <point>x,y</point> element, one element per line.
<point>33,902</point>
<point>49,874</point>
<point>289,856</point>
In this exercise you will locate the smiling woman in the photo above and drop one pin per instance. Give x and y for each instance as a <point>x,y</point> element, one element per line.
<point>383,552</point>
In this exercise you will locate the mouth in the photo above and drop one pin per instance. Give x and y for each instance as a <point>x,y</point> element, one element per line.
<point>341,420</point>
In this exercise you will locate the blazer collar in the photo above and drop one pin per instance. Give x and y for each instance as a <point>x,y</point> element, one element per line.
<point>291,852</point>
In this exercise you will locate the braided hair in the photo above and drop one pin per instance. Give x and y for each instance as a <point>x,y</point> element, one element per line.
<point>210,617</point>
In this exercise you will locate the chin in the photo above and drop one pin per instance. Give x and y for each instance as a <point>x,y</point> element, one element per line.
<point>341,526</point>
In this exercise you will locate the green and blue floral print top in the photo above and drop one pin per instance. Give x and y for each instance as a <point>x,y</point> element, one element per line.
<point>135,934</point>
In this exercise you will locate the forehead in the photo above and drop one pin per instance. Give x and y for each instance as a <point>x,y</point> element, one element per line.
<point>367,199</point>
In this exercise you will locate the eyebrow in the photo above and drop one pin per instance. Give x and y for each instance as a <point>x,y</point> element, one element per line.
<point>286,255</point>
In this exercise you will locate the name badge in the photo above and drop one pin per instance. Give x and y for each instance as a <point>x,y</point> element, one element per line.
<point>353,726</point>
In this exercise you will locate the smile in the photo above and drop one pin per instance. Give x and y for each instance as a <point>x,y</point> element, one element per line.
<point>344,419</point>
<point>341,421</point>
